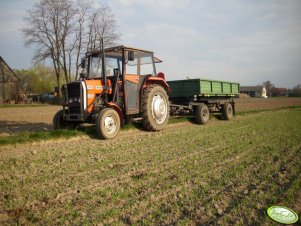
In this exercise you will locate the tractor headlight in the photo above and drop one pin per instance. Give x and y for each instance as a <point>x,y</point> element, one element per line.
<point>74,100</point>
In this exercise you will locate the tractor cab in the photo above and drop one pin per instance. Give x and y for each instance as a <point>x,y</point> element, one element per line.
<point>125,66</point>
<point>115,80</point>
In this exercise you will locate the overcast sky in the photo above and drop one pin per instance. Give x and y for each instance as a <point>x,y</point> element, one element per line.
<point>245,41</point>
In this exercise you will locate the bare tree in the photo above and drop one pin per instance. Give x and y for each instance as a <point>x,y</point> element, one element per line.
<point>62,30</point>
<point>48,27</point>
<point>93,23</point>
<point>83,11</point>
<point>268,86</point>
<point>102,25</point>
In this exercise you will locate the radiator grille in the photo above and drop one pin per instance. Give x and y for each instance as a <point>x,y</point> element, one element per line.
<point>74,97</point>
<point>73,90</point>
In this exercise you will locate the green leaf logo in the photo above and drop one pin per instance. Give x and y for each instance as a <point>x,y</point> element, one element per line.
<point>282,214</point>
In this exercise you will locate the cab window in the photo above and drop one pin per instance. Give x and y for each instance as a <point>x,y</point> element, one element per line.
<point>132,65</point>
<point>146,64</point>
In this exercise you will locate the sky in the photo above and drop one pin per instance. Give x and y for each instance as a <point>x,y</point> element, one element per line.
<point>233,40</point>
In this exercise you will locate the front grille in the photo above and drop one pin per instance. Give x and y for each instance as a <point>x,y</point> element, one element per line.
<point>74,97</point>
<point>74,110</point>
<point>73,90</point>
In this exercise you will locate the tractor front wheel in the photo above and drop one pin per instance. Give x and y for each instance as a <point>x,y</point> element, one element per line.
<point>107,123</point>
<point>155,108</point>
<point>59,122</point>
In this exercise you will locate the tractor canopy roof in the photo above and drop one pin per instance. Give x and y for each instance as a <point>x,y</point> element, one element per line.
<point>120,48</point>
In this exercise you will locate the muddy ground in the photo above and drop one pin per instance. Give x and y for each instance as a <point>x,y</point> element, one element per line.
<point>16,120</point>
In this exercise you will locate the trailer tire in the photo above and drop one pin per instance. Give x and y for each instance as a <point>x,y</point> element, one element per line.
<point>227,111</point>
<point>155,108</point>
<point>58,122</point>
<point>202,114</point>
<point>107,123</point>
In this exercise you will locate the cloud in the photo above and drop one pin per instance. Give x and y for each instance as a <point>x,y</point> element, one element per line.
<point>245,41</point>
<point>11,21</point>
<point>166,4</point>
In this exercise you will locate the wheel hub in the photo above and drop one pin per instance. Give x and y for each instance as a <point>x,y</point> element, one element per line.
<point>205,114</point>
<point>159,111</point>
<point>229,110</point>
<point>110,124</point>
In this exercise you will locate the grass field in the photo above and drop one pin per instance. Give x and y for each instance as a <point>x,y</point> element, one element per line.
<point>221,173</point>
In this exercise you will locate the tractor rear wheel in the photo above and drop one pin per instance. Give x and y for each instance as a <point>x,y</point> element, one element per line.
<point>227,111</point>
<point>107,123</point>
<point>59,122</point>
<point>201,114</point>
<point>155,108</point>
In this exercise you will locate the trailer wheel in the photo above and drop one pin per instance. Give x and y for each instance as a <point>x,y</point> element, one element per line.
<point>59,122</point>
<point>227,111</point>
<point>155,108</point>
<point>202,114</point>
<point>107,123</point>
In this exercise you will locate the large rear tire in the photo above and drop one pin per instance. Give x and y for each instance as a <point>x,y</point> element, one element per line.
<point>59,122</point>
<point>202,114</point>
<point>227,111</point>
<point>155,108</point>
<point>108,124</point>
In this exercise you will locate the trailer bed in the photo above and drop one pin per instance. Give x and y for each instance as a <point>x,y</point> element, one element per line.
<point>202,88</point>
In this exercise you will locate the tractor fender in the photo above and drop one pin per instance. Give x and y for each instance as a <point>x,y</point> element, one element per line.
<point>156,80</point>
<point>116,108</point>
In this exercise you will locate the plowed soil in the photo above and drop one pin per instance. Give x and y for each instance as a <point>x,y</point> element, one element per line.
<point>266,104</point>
<point>227,173</point>
<point>16,120</point>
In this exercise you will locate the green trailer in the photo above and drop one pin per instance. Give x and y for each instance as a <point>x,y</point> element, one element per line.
<point>203,96</point>
<point>203,87</point>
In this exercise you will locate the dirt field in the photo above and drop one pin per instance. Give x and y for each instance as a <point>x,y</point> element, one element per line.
<point>15,120</point>
<point>222,173</point>
<point>264,104</point>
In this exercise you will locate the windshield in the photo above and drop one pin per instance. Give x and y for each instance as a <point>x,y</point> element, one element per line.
<point>112,62</point>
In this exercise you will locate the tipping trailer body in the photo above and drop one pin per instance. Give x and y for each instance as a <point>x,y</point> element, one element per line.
<point>203,96</point>
<point>202,88</point>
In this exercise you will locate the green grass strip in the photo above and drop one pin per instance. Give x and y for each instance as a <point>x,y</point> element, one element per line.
<point>38,136</point>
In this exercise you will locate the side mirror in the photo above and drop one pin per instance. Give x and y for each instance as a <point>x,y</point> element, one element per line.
<point>131,56</point>
<point>83,63</point>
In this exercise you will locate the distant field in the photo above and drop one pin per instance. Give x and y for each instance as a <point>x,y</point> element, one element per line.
<point>227,172</point>
<point>266,104</point>
<point>39,118</point>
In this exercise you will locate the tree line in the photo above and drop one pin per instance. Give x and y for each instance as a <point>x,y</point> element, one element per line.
<point>64,30</point>
<point>274,91</point>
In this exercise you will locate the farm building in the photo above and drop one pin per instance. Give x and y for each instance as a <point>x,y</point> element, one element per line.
<point>9,82</point>
<point>254,91</point>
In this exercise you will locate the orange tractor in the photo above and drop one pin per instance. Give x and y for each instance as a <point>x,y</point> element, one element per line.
<point>117,84</point>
